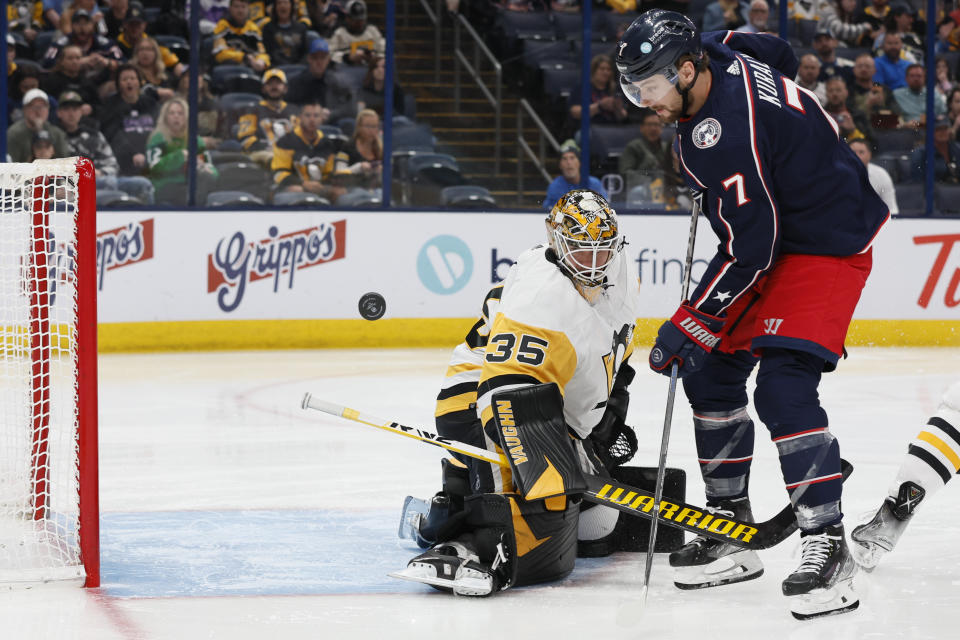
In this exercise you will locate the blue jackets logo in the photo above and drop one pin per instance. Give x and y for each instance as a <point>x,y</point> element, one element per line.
<point>237,261</point>
<point>445,264</point>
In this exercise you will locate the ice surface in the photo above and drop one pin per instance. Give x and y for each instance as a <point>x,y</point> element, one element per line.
<point>229,512</point>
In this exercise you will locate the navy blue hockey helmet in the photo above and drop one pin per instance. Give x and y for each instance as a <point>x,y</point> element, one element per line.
<point>651,47</point>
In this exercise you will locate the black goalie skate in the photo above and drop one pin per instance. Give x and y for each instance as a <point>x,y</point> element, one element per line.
<point>871,541</point>
<point>823,583</point>
<point>705,562</point>
<point>454,567</point>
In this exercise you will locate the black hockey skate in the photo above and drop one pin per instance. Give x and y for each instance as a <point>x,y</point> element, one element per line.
<point>454,567</point>
<point>705,562</point>
<point>871,541</point>
<point>823,583</point>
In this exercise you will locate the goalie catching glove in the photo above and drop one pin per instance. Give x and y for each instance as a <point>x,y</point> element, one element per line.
<point>686,338</point>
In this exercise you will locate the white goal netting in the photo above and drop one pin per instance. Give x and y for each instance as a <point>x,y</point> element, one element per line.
<point>40,525</point>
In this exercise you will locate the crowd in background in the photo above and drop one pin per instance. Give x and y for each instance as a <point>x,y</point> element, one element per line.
<point>296,88</point>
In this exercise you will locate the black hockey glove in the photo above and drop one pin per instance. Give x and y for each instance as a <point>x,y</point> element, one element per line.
<point>686,338</point>
<point>615,442</point>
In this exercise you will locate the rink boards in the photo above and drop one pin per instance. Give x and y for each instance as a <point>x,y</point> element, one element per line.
<point>249,279</point>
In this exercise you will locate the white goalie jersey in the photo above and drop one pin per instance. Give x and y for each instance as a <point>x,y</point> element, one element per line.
<point>542,330</point>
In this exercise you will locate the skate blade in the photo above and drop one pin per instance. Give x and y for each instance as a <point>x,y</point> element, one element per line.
<point>867,555</point>
<point>841,598</point>
<point>737,567</point>
<point>467,582</point>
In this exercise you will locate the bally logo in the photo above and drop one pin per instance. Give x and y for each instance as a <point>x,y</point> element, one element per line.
<point>771,325</point>
<point>698,333</point>
<point>511,439</point>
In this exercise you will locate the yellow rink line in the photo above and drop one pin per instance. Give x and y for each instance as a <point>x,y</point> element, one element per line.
<point>424,332</point>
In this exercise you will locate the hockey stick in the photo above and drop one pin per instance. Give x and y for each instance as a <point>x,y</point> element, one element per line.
<point>668,417</point>
<point>604,491</point>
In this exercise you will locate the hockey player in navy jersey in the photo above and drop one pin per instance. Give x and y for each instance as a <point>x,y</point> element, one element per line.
<point>795,216</point>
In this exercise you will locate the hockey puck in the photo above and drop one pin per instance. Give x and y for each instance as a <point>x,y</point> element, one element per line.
<point>372,306</point>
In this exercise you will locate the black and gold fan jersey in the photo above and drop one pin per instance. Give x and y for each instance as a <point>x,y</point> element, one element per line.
<point>297,159</point>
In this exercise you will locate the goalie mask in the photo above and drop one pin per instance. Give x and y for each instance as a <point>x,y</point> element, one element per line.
<point>583,232</point>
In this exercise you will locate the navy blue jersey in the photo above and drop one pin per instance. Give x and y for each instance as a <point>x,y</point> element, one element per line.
<point>776,177</point>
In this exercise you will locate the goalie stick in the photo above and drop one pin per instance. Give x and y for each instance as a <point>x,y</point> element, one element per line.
<point>606,491</point>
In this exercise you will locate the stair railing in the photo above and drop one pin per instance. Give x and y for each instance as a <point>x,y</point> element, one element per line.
<point>538,158</point>
<point>494,97</point>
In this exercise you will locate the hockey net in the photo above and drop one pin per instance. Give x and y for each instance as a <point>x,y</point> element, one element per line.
<point>49,521</point>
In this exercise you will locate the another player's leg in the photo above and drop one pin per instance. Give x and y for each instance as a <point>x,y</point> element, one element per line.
<point>932,459</point>
<point>787,401</point>
<point>724,436</point>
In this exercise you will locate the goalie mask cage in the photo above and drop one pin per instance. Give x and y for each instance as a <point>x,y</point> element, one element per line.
<point>49,515</point>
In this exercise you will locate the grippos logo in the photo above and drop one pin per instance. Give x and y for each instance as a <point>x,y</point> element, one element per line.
<point>123,246</point>
<point>445,264</point>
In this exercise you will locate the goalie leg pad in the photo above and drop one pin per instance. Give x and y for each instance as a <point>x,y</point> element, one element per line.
<point>531,430</point>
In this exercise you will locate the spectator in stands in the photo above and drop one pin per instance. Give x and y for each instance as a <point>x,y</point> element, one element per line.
<point>208,116</point>
<point>90,6</point>
<point>807,76</point>
<point>569,177</point>
<point>606,106</point>
<point>324,16</point>
<point>273,118</point>
<point>725,14</point>
<point>237,40</point>
<point>880,180</point>
<point>899,20</point>
<point>133,30</point>
<point>891,67</point>
<point>23,80</point>
<point>52,10</point>
<point>912,98</point>
<point>167,156</point>
<point>757,17</point>
<point>373,89</point>
<point>870,97</point>
<point>647,155</point>
<point>22,19</point>
<point>843,20</point>
<point>114,17</point>
<point>211,12</point>
<point>127,119</point>
<point>100,55</point>
<point>36,113</point>
<point>317,83</point>
<point>365,152</point>
<point>853,124</point>
<point>90,143</point>
<point>945,81</point>
<point>946,155</point>
<point>948,34</point>
<point>303,159</point>
<point>284,37</point>
<point>41,147</point>
<point>357,41</point>
<point>149,62</point>
<point>825,46</point>
<point>875,12</point>
<point>67,75</point>
<point>953,112</point>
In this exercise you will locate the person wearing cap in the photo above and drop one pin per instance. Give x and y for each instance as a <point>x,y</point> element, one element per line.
<point>757,18</point>
<point>41,146</point>
<point>237,40</point>
<point>284,37</point>
<point>100,55</point>
<point>317,83</point>
<point>725,14</point>
<point>946,155</point>
<point>912,98</point>
<point>273,118</point>
<point>133,30</point>
<point>825,46</point>
<point>36,111</point>
<point>89,142</point>
<point>569,177</point>
<point>356,41</point>
<point>92,11</point>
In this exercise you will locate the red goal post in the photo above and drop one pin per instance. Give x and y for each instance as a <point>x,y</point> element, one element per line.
<point>49,507</point>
